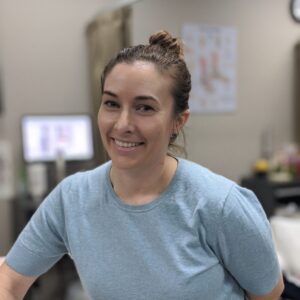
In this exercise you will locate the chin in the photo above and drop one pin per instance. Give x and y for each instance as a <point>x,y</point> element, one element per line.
<point>125,164</point>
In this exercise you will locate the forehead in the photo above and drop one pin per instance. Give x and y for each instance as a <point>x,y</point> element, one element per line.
<point>137,77</point>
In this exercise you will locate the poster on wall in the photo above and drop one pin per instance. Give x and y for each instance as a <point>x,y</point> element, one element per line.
<point>211,55</point>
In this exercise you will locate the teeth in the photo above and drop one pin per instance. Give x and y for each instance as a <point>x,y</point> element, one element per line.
<point>126,144</point>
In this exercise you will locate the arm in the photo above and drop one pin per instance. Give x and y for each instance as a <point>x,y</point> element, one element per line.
<point>245,246</point>
<point>13,286</point>
<point>273,295</point>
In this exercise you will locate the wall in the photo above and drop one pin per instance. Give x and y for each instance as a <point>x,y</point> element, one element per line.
<point>230,143</point>
<point>44,59</point>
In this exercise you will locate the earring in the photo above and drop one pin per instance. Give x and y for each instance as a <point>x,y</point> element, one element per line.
<point>173,137</point>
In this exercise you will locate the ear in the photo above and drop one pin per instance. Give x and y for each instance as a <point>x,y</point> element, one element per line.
<point>182,119</point>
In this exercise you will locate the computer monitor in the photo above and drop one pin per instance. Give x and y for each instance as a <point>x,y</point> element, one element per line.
<point>44,137</point>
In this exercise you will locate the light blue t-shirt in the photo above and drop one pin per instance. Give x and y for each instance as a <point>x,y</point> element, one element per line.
<point>204,237</point>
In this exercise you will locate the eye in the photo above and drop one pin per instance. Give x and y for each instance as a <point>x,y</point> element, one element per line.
<point>111,104</point>
<point>144,108</point>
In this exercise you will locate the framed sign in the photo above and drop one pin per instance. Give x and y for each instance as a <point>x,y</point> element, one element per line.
<point>211,55</point>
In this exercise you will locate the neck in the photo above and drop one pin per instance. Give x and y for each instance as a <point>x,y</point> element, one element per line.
<point>141,187</point>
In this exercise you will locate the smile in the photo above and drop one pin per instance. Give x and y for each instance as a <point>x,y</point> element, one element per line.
<point>127,144</point>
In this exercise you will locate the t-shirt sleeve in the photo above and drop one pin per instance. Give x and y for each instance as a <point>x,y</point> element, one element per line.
<point>43,240</point>
<point>244,242</point>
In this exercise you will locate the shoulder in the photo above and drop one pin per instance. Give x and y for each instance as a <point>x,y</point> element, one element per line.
<point>78,188</point>
<point>208,186</point>
<point>216,197</point>
<point>85,180</point>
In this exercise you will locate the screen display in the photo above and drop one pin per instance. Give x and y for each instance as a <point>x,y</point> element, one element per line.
<point>45,137</point>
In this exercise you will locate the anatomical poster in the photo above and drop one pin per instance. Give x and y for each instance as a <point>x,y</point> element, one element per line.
<point>211,55</point>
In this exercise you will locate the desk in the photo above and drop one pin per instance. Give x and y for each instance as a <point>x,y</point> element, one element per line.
<point>273,194</point>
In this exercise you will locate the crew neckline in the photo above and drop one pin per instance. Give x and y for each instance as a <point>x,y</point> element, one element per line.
<point>148,206</point>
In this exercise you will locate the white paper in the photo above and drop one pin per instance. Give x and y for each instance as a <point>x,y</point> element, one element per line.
<point>211,55</point>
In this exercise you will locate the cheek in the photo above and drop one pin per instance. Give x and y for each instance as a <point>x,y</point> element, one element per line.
<point>102,123</point>
<point>160,132</point>
<point>99,116</point>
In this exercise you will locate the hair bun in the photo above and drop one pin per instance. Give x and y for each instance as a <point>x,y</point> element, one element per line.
<point>165,40</point>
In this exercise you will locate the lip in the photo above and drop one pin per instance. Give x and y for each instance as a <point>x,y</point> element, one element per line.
<point>127,149</point>
<point>123,141</point>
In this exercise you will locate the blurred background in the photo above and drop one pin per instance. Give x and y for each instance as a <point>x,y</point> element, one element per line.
<point>51,57</point>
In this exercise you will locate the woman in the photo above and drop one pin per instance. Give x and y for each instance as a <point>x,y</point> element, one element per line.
<point>148,225</point>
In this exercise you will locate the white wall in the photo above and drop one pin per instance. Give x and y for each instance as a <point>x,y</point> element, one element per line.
<point>230,143</point>
<point>44,61</point>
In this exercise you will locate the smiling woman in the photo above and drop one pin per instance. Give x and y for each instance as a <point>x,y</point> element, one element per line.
<point>136,120</point>
<point>148,224</point>
<point>136,116</point>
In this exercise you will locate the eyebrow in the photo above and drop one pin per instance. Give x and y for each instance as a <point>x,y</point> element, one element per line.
<point>141,97</point>
<point>109,93</point>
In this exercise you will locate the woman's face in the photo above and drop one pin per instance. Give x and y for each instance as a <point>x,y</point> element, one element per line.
<point>136,115</point>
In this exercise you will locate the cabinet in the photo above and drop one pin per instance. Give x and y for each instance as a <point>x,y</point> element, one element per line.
<point>273,194</point>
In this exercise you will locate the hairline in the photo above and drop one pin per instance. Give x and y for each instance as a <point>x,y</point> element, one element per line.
<point>161,70</point>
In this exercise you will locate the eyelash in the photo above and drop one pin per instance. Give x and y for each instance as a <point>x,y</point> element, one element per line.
<point>143,108</point>
<point>111,104</point>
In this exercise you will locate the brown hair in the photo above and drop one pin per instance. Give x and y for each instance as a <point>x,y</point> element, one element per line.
<point>166,53</point>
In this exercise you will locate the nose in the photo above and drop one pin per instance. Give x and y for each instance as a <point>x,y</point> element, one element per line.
<point>125,122</point>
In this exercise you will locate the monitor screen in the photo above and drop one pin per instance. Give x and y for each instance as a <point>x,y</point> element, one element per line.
<point>44,137</point>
